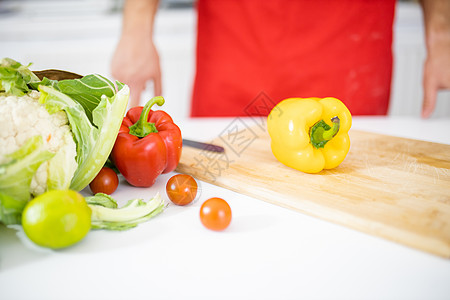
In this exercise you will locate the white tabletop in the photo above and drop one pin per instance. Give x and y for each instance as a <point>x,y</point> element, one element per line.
<point>268,252</point>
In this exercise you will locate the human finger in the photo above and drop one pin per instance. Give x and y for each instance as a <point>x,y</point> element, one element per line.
<point>135,95</point>
<point>429,95</point>
<point>157,85</point>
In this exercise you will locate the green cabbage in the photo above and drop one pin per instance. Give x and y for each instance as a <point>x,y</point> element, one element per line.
<point>95,111</point>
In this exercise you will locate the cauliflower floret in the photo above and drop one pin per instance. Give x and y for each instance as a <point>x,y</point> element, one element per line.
<point>39,180</point>
<point>24,117</point>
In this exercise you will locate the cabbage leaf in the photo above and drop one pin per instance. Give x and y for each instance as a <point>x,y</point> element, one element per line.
<point>107,215</point>
<point>94,140</point>
<point>88,91</point>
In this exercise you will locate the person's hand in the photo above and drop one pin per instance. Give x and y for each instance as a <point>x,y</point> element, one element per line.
<point>436,74</point>
<point>436,71</point>
<point>136,62</point>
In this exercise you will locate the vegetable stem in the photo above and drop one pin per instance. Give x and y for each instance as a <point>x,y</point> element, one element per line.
<point>142,127</point>
<point>321,132</point>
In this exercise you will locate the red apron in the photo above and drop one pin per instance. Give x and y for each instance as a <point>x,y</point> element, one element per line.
<point>253,51</point>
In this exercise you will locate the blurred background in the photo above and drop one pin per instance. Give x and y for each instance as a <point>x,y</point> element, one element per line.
<point>81,35</point>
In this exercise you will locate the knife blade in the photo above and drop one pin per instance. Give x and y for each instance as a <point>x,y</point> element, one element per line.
<point>203,146</point>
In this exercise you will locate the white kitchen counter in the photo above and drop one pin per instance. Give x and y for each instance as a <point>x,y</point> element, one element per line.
<point>268,252</point>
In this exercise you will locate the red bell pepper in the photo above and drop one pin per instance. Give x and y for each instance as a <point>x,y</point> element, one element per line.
<point>148,144</point>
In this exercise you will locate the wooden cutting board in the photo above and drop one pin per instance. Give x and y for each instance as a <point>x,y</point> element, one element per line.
<point>390,187</point>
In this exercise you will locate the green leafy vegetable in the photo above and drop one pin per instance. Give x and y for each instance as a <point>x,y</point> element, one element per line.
<point>14,77</point>
<point>96,85</point>
<point>94,140</point>
<point>102,200</point>
<point>62,166</point>
<point>10,209</point>
<point>15,178</point>
<point>106,215</point>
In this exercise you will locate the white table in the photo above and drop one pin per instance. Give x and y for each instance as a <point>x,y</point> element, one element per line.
<point>268,252</point>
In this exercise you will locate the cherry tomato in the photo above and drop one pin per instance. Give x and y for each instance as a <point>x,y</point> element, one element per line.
<point>181,189</point>
<point>105,182</point>
<point>215,214</point>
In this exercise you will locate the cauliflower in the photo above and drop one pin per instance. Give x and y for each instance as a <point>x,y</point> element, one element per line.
<point>53,134</point>
<point>24,117</point>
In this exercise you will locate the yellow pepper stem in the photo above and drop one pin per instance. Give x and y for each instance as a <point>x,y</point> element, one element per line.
<point>321,132</point>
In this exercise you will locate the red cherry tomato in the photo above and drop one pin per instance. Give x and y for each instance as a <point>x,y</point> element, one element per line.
<point>181,189</point>
<point>215,214</point>
<point>105,182</point>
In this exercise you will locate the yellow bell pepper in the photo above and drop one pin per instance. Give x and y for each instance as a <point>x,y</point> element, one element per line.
<point>310,134</point>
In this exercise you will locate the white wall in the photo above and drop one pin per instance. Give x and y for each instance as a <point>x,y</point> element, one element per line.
<point>80,36</point>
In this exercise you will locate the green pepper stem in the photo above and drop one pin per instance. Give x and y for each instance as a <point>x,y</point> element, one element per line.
<point>142,127</point>
<point>321,132</point>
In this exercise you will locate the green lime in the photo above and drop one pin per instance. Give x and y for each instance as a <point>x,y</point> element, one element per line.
<point>57,219</point>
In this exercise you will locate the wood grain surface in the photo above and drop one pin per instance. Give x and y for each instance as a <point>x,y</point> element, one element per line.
<point>390,187</point>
